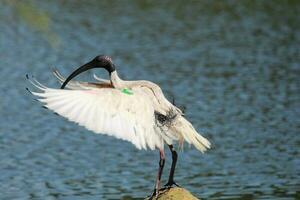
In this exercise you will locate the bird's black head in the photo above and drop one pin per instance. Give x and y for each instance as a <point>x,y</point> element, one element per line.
<point>105,62</point>
<point>100,61</point>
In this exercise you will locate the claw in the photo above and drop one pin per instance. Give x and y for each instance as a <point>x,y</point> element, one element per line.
<point>171,184</point>
<point>154,194</point>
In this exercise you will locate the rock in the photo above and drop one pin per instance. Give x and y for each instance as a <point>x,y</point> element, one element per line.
<point>175,193</point>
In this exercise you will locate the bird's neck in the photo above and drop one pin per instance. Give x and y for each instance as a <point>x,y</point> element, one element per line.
<point>116,81</point>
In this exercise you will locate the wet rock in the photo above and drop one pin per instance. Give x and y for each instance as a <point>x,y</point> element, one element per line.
<point>176,193</point>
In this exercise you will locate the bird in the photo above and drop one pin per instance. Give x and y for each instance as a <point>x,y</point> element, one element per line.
<point>135,111</point>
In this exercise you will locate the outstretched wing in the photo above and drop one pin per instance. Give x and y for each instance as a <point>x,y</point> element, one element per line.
<point>127,115</point>
<point>75,85</point>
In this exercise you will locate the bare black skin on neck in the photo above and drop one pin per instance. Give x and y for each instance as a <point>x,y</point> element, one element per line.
<point>100,61</point>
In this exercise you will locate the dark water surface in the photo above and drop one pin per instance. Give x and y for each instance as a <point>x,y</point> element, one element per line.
<point>235,65</point>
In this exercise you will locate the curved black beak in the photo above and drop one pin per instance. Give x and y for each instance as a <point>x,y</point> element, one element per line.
<point>90,65</point>
<point>100,61</point>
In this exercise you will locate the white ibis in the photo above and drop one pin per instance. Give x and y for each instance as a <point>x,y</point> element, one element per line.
<point>136,111</point>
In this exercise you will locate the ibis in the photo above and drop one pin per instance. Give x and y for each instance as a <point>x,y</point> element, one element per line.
<point>135,111</point>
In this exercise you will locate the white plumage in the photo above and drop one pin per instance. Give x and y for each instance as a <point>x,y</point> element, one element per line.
<point>106,111</point>
<point>110,111</point>
<point>135,111</point>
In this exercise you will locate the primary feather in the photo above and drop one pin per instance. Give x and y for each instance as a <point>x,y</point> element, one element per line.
<point>106,111</point>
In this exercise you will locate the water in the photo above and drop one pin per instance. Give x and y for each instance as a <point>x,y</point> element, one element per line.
<point>234,65</point>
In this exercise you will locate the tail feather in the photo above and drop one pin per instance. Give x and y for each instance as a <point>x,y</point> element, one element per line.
<point>191,136</point>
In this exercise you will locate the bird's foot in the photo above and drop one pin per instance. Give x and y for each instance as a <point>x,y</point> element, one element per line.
<point>170,184</point>
<point>154,195</point>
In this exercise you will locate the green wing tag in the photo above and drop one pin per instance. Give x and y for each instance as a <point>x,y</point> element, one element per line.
<point>127,91</point>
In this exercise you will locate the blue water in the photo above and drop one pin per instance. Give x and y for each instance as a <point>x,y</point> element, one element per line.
<point>234,65</point>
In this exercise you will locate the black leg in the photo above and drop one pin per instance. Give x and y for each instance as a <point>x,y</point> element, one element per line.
<point>160,170</point>
<point>171,182</point>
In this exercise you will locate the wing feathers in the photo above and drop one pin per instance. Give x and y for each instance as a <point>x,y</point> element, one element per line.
<point>106,111</point>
